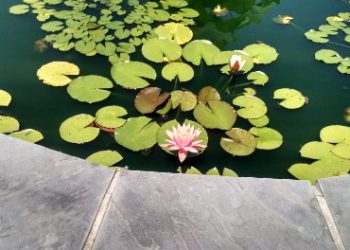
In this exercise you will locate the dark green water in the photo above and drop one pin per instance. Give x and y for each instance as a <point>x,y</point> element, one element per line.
<point>44,108</point>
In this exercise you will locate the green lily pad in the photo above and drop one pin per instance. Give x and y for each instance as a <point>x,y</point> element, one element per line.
<point>30,135</point>
<point>110,117</point>
<point>158,15</point>
<point>56,73</point>
<point>106,49</point>
<point>267,138</point>
<point>239,143</point>
<point>148,99</point>
<point>86,48</point>
<point>317,150</point>
<point>260,122</point>
<point>174,31</point>
<point>249,92</point>
<point>76,129</point>
<point>344,66</point>
<point>328,29</point>
<point>90,89</point>
<point>162,136</point>
<point>229,172</point>
<point>328,56</point>
<point>186,99</point>
<point>192,170</point>
<point>52,26</point>
<point>8,124</point>
<point>5,98</point>
<point>130,74</point>
<point>167,107</point>
<point>223,57</point>
<point>122,57</point>
<point>182,71</point>
<point>317,36</point>
<point>138,133</point>
<point>261,53</point>
<point>217,115</point>
<point>197,50</point>
<point>19,9</point>
<point>160,50</point>
<point>208,93</point>
<point>258,78</point>
<point>105,158</point>
<point>251,107</point>
<point>176,3</point>
<point>292,99</point>
<point>337,134</point>
<point>213,171</point>
<point>122,34</point>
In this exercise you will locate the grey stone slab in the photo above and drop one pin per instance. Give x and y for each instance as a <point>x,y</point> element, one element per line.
<point>48,200</point>
<point>173,211</point>
<point>336,191</point>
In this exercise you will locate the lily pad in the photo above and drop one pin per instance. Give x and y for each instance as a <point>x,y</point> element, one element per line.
<point>185,99</point>
<point>267,138</point>
<point>337,134</point>
<point>160,50</point>
<point>344,66</point>
<point>109,117</point>
<point>138,133</point>
<point>167,107</point>
<point>229,172</point>
<point>19,9</point>
<point>86,48</point>
<point>182,71</point>
<point>317,36</point>
<point>292,99</point>
<point>251,107</point>
<point>239,143</point>
<point>174,31</point>
<point>208,93</point>
<point>90,89</point>
<point>258,78</point>
<point>249,92</point>
<point>328,56</point>
<point>5,98</point>
<point>317,150</point>
<point>105,158</point>
<point>217,115</point>
<point>148,99</point>
<point>56,73</point>
<point>76,129</point>
<point>30,135</point>
<point>261,53</point>
<point>328,29</point>
<point>260,122</point>
<point>130,74</point>
<point>8,124</point>
<point>106,49</point>
<point>52,26</point>
<point>197,50</point>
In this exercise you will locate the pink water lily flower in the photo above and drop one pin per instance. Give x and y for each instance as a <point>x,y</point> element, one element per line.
<point>236,63</point>
<point>184,139</point>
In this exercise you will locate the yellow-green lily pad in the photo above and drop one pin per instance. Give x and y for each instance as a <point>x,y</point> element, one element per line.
<point>261,53</point>
<point>5,98</point>
<point>105,158</point>
<point>197,50</point>
<point>317,36</point>
<point>30,135</point>
<point>19,9</point>
<point>208,93</point>
<point>344,66</point>
<point>328,56</point>
<point>182,71</point>
<point>174,31</point>
<point>267,138</point>
<point>258,78</point>
<point>251,107</point>
<point>56,73</point>
<point>110,117</point>
<point>160,50</point>
<point>239,143</point>
<point>185,99</point>
<point>8,124</point>
<point>260,122</point>
<point>291,98</point>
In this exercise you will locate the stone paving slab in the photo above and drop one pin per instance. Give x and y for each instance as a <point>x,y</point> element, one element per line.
<point>336,191</point>
<point>48,200</point>
<point>171,211</point>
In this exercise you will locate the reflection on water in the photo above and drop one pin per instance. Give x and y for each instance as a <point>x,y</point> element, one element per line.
<point>220,29</point>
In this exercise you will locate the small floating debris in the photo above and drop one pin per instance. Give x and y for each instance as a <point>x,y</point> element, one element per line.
<point>281,19</point>
<point>220,11</point>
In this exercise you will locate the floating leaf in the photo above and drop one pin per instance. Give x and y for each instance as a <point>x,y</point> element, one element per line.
<point>217,115</point>
<point>252,107</point>
<point>282,19</point>
<point>317,36</point>
<point>5,98</point>
<point>138,133</point>
<point>76,129</point>
<point>160,50</point>
<point>122,57</point>
<point>213,171</point>
<point>344,66</point>
<point>148,99</point>
<point>292,99</point>
<point>105,158</point>
<point>197,50</point>
<point>249,92</point>
<point>193,170</point>
<point>55,73</point>
<point>189,12</point>
<point>109,117</point>
<point>317,150</point>
<point>261,53</point>
<point>239,143</point>
<point>182,71</point>
<point>19,9</point>
<point>166,108</point>
<point>260,122</point>
<point>90,89</point>
<point>229,172</point>
<point>328,56</point>
<point>337,134</point>
<point>86,48</point>
<point>208,93</point>
<point>158,15</point>
<point>130,74</point>
<point>30,135</point>
<point>52,26</point>
<point>8,124</point>
<point>267,138</point>
<point>107,49</point>
<point>328,29</point>
<point>258,78</point>
<point>186,99</point>
<point>176,3</point>
<point>174,31</point>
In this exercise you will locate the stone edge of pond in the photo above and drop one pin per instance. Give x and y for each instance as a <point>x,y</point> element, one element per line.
<point>53,200</point>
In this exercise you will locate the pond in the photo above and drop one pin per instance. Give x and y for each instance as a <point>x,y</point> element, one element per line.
<point>326,90</point>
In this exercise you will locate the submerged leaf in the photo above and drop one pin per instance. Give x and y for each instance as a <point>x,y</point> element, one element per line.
<point>197,50</point>
<point>292,99</point>
<point>148,99</point>
<point>182,71</point>
<point>30,135</point>
<point>105,158</point>
<point>55,73</point>
<point>239,143</point>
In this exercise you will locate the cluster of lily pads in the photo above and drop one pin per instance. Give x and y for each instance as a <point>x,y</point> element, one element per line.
<point>110,28</point>
<point>335,24</point>
<point>332,155</point>
<point>10,125</point>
